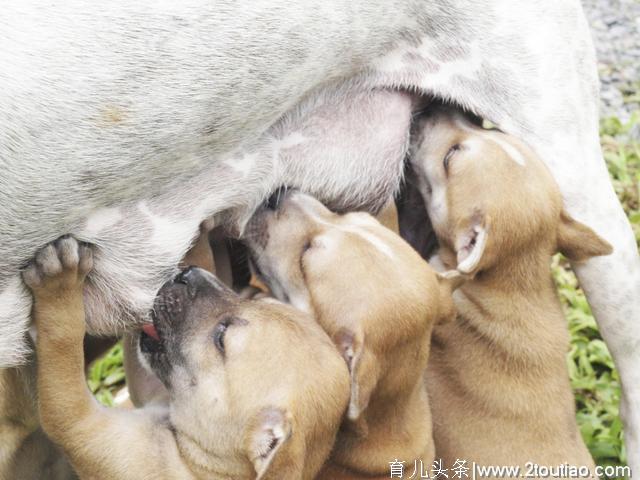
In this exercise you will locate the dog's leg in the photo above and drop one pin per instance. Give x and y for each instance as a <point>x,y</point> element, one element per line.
<point>68,412</point>
<point>612,286</point>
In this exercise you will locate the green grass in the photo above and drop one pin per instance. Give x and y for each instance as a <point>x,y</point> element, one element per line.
<point>106,376</point>
<point>593,376</point>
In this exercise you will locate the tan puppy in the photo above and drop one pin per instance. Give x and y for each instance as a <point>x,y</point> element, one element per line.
<point>497,376</point>
<point>378,300</point>
<point>256,388</point>
<point>26,453</point>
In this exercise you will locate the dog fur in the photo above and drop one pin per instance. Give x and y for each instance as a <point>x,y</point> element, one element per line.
<point>497,376</point>
<point>128,124</point>
<point>374,295</point>
<point>261,373</point>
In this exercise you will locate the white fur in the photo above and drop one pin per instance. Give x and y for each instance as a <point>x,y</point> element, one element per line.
<point>102,219</point>
<point>14,299</point>
<point>468,263</point>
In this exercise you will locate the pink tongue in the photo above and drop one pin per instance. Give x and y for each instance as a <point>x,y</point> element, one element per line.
<point>150,330</point>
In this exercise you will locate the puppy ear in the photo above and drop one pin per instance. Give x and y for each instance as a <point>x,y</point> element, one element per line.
<point>266,434</point>
<point>363,370</point>
<point>470,243</point>
<point>449,281</point>
<point>578,242</point>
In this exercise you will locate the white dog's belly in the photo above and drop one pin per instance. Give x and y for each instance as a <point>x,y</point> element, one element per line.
<point>128,123</point>
<point>344,147</point>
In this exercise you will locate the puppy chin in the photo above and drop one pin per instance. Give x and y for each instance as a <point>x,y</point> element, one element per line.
<point>150,361</point>
<point>142,356</point>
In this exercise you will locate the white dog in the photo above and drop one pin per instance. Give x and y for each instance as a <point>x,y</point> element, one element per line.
<point>128,123</point>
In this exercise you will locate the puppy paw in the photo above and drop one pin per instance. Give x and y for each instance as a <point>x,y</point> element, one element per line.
<point>60,266</point>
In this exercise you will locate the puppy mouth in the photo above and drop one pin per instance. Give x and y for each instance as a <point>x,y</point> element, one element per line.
<point>149,329</point>
<point>151,341</point>
<point>167,305</point>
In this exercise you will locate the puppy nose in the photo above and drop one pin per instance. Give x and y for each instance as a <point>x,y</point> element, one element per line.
<point>198,281</point>
<point>185,276</point>
<point>274,201</point>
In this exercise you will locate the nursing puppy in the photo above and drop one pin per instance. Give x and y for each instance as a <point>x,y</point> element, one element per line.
<point>378,300</point>
<point>256,388</point>
<point>497,376</point>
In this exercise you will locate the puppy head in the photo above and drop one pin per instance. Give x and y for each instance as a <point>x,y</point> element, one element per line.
<point>490,197</point>
<point>251,382</point>
<point>370,291</point>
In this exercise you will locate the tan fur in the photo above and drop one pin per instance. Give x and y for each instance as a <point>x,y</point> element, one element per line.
<point>378,300</point>
<point>254,413</point>
<point>497,376</point>
<point>388,216</point>
<point>25,451</point>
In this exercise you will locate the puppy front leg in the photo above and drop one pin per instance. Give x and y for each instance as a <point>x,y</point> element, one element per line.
<point>56,278</point>
<point>101,443</point>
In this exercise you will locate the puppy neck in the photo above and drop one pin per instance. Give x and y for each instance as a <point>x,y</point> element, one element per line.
<point>515,304</point>
<point>205,463</point>
<point>396,425</point>
<point>518,275</point>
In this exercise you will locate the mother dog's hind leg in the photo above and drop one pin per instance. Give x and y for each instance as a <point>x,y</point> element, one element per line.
<point>612,286</point>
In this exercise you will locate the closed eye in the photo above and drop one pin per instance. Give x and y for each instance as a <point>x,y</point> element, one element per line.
<point>447,158</point>
<point>220,330</point>
<point>305,248</point>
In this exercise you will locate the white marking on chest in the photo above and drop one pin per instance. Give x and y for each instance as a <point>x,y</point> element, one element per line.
<point>101,220</point>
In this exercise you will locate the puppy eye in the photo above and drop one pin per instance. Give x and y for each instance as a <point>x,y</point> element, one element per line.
<point>447,157</point>
<point>306,246</point>
<point>219,332</point>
